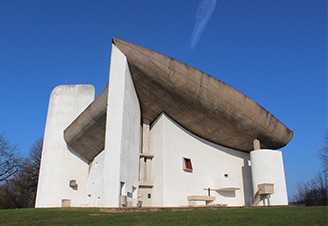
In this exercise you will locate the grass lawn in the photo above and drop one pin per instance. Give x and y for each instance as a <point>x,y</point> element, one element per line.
<point>226,216</point>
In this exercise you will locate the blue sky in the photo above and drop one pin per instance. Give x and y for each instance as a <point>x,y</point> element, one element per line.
<point>274,51</point>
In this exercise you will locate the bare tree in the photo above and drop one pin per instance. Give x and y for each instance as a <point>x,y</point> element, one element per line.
<point>9,159</point>
<point>323,154</point>
<point>27,178</point>
<point>20,190</point>
<point>315,191</point>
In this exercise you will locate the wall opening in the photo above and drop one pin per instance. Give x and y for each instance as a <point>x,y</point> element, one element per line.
<point>187,165</point>
<point>133,191</point>
<point>66,203</point>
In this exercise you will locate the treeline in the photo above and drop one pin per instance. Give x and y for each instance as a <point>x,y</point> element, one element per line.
<point>18,176</point>
<point>315,191</point>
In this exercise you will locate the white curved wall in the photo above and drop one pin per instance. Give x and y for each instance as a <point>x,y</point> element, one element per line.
<point>267,167</point>
<point>59,164</point>
<point>170,143</point>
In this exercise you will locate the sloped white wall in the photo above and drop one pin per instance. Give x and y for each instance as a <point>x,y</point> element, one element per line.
<point>94,183</point>
<point>59,164</point>
<point>170,143</point>
<point>123,138</point>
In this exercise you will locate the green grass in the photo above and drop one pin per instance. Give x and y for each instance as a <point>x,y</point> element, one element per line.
<point>226,216</point>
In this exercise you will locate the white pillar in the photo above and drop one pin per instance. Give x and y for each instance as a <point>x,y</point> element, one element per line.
<point>267,167</point>
<point>145,136</point>
<point>256,144</point>
<point>144,161</point>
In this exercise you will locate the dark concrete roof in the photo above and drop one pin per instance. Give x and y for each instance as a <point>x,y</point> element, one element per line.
<point>200,103</point>
<point>86,134</point>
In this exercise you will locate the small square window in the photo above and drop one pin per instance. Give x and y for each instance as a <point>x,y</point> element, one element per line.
<point>187,165</point>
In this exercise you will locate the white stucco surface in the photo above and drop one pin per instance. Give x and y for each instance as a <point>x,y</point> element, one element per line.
<point>145,163</point>
<point>94,182</point>
<point>211,163</point>
<point>59,164</point>
<point>123,138</point>
<point>268,167</point>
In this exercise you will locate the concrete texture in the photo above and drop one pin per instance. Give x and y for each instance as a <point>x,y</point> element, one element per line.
<point>200,103</point>
<point>86,134</point>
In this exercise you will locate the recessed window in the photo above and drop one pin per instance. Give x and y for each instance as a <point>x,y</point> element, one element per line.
<point>187,165</point>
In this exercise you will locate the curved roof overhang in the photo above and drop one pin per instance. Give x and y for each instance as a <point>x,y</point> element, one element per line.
<point>86,134</point>
<point>202,104</point>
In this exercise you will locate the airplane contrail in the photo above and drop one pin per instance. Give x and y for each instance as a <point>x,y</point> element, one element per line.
<point>204,12</point>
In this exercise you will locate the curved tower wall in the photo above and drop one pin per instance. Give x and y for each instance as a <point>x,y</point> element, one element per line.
<point>60,164</point>
<point>268,168</point>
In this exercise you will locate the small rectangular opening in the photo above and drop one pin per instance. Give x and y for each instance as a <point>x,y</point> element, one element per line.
<point>187,165</point>
<point>66,203</point>
<point>122,191</point>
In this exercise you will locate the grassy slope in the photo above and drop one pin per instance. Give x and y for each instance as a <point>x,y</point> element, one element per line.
<point>246,216</point>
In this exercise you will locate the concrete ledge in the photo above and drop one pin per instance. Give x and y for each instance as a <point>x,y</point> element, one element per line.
<point>146,184</point>
<point>192,200</point>
<point>200,198</point>
<point>146,155</point>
